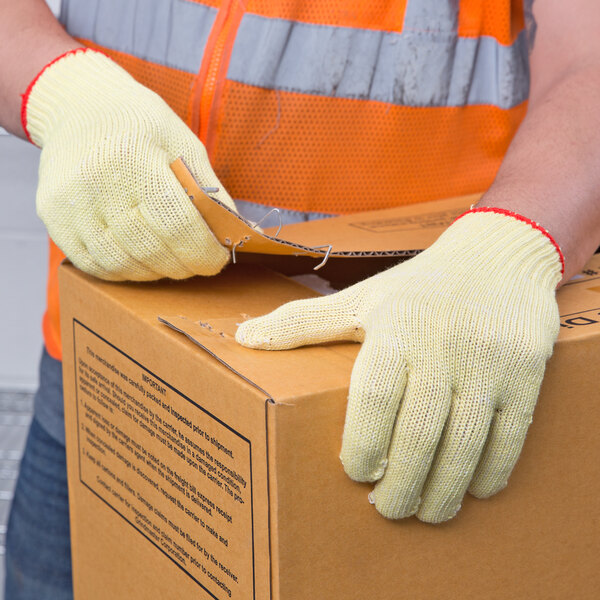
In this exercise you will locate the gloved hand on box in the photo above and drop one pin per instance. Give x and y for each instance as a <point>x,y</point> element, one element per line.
<point>106,192</point>
<point>455,343</point>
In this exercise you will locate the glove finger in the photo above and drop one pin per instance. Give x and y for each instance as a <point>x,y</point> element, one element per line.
<point>166,232</point>
<point>376,388</point>
<point>457,456</point>
<point>140,243</point>
<point>192,150</point>
<point>504,444</point>
<point>302,322</point>
<point>98,254</point>
<point>420,423</point>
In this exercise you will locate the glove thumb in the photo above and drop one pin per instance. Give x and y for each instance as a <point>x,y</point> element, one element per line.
<point>302,322</point>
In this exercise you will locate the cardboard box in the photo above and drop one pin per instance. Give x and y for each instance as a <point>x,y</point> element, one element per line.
<point>201,469</point>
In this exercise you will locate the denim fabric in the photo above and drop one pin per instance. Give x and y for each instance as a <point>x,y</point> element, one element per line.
<point>48,402</point>
<point>38,545</point>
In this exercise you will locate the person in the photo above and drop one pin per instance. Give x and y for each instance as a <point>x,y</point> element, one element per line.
<point>322,108</point>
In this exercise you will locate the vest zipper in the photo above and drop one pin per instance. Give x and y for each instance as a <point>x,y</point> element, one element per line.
<point>214,68</point>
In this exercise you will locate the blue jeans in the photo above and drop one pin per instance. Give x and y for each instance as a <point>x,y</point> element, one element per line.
<point>38,545</point>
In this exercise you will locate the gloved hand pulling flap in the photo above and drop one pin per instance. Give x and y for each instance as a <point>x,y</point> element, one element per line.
<point>106,192</point>
<point>455,343</point>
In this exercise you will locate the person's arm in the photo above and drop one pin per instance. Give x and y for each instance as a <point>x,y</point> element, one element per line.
<point>106,192</point>
<point>31,37</point>
<point>550,173</point>
<point>455,340</point>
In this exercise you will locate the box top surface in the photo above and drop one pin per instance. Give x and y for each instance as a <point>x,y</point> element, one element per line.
<point>207,311</point>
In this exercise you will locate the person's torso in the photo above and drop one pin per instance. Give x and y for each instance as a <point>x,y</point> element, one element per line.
<point>323,106</point>
<point>330,106</point>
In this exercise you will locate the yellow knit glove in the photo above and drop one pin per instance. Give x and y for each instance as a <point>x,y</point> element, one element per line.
<point>106,192</point>
<point>455,343</point>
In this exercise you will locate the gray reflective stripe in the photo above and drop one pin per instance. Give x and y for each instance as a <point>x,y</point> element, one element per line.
<point>255,212</point>
<point>415,68</point>
<point>431,15</point>
<point>451,71</point>
<point>427,64</point>
<point>172,33</point>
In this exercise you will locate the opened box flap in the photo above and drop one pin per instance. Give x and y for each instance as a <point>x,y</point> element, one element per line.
<point>395,232</point>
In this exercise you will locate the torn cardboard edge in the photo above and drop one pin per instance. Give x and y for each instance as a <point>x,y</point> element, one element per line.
<point>194,330</point>
<point>216,336</point>
<point>397,232</point>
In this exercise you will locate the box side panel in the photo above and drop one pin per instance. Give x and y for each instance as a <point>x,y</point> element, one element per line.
<point>166,461</point>
<point>539,538</point>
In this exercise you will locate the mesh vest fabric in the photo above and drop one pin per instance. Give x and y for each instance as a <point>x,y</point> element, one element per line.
<point>324,106</point>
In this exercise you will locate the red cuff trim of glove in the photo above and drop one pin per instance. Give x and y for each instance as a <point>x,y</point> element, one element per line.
<point>509,213</point>
<point>25,96</point>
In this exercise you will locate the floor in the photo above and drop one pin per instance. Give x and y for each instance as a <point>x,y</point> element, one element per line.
<point>15,415</point>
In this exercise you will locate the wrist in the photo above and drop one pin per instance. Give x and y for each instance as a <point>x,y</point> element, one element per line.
<point>16,78</point>
<point>527,221</point>
<point>25,96</point>
<point>31,37</point>
<point>73,84</point>
<point>571,226</point>
<point>507,243</point>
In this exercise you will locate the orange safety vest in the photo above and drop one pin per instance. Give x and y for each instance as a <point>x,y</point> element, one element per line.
<point>324,105</point>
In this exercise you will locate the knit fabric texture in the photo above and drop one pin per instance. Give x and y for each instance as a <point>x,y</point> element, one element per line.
<point>454,347</point>
<point>106,192</point>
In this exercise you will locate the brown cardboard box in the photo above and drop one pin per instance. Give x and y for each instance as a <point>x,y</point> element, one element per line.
<point>213,471</point>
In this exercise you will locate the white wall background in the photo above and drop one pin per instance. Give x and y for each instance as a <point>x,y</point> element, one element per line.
<point>23,258</point>
<point>54,5</point>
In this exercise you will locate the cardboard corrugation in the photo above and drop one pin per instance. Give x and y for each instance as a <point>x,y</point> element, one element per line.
<point>314,534</point>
